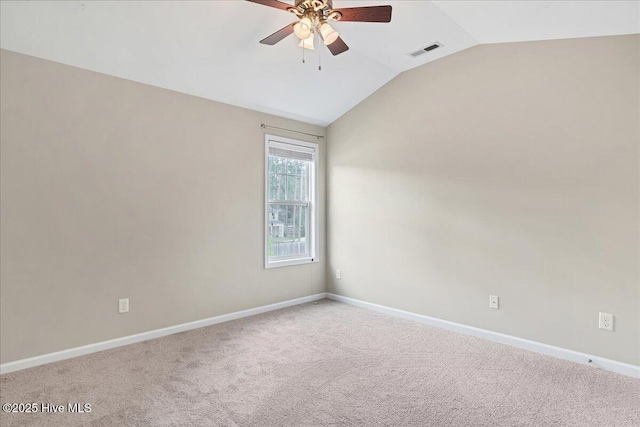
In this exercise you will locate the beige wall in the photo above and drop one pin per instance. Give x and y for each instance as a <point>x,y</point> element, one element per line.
<point>508,169</point>
<point>114,189</point>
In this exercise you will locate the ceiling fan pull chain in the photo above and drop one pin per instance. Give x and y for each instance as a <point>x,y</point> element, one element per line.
<point>319,59</point>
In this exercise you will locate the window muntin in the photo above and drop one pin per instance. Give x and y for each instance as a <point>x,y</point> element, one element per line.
<point>290,202</point>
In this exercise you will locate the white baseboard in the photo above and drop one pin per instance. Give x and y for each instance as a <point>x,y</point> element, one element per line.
<point>550,350</point>
<point>131,339</point>
<point>562,353</point>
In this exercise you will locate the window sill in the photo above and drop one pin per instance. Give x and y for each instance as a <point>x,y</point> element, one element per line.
<point>290,262</point>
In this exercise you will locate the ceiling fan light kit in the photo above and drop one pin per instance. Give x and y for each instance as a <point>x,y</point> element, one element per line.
<point>314,16</point>
<point>307,43</point>
<point>303,28</point>
<point>329,35</point>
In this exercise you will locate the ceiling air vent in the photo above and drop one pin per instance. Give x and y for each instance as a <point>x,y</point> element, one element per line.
<point>425,50</point>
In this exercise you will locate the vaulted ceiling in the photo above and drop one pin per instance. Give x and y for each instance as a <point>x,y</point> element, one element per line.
<point>210,49</point>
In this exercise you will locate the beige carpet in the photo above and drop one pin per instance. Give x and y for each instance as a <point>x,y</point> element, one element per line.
<point>323,363</point>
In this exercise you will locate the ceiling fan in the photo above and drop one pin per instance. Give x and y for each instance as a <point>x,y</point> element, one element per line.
<point>314,16</point>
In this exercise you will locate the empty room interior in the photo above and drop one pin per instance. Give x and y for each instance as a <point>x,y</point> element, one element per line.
<point>320,213</point>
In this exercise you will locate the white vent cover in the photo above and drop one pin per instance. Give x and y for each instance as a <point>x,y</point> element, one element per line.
<point>427,49</point>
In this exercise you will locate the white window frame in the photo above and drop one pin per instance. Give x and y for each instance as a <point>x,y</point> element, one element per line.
<point>312,221</point>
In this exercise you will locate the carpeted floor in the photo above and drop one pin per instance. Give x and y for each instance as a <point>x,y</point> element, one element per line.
<point>323,363</point>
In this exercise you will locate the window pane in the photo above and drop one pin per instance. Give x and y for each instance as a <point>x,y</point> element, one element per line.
<point>302,187</point>
<point>277,186</point>
<point>292,188</point>
<point>288,179</point>
<point>287,230</point>
<point>281,165</point>
<point>282,187</point>
<point>296,167</point>
<point>273,187</point>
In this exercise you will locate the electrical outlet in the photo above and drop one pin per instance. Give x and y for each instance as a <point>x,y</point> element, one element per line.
<point>338,274</point>
<point>493,302</point>
<point>123,305</point>
<point>605,321</point>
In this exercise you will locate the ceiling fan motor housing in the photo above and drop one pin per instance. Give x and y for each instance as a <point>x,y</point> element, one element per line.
<point>328,4</point>
<point>316,9</point>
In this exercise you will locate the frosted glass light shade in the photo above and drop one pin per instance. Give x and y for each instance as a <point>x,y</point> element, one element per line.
<point>307,43</point>
<point>329,35</point>
<point>303,29</point>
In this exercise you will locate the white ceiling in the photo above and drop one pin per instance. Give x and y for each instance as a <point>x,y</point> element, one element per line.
<point>210,49</point>
<point>515,21</point>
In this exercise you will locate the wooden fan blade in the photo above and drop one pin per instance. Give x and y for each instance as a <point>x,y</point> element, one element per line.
<point>278,35</point>
<point>338,47</point>
<point>273,3</point>
<point>366,14</point>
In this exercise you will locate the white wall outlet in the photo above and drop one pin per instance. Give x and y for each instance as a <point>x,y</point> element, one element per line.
<point>605,321</point>
<point>338,274</point>
<point>123,305</point>
<point>493,302</point>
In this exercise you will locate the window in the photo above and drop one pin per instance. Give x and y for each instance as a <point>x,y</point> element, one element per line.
<point>290,208</point>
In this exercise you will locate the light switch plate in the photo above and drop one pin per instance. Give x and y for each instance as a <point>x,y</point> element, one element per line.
<point>493,302</point>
